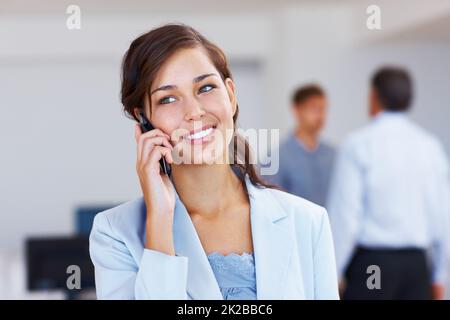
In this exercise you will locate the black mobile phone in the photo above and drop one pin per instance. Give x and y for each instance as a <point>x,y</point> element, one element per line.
<point>147,126</point>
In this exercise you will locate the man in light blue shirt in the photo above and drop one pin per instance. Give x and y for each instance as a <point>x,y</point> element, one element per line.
<point>389,201</point>
<point>305,161</point>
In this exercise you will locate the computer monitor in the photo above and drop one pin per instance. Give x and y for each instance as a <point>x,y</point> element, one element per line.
<point>84,217</point>
<point>48,259</point>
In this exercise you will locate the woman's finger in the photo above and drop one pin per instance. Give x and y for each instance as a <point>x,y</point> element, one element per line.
<point>155,155</point>
<point>150,143</point>
<point>155,132</point>
<point>142,137</point>
<point>137,132</point>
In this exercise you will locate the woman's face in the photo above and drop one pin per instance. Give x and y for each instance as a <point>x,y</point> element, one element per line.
<point>190,102</point>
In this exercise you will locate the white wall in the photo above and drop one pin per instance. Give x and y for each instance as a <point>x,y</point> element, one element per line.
<point>63,137</point>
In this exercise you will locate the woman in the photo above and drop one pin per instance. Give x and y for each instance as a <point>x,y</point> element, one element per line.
<point>204,232</point>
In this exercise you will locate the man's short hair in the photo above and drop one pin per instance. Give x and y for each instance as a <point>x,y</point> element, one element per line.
<point>305,92</point>
<point>393,86</point>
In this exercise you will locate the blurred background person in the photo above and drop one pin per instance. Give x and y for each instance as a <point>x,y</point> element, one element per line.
<point>388,201</point>
<point>306,161</point>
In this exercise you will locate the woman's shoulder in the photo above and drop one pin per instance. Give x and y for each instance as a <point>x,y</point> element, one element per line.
<point>306,221</point>
<point>121,219</point>
<point>304,212</point>
<point>291,202</point>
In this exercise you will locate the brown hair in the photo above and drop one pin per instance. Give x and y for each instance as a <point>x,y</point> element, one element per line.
<point>144,58</point>
<point>394,88</point>
<point>305,92</point>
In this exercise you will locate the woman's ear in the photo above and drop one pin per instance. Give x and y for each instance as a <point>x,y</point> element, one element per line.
<point>229,84</point>
<point>136,112</point>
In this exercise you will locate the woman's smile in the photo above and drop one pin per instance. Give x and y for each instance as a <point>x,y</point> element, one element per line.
<point>202,136</point>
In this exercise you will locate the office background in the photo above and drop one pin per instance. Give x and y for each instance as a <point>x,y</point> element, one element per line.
<point>65,142</point>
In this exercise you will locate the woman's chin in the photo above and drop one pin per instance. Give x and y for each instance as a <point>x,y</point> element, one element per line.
<point>206,160</point>
<point>205,157</point>
<point>203,154</point>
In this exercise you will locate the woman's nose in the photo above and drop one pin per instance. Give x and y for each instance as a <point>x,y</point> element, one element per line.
<point>194,110</point>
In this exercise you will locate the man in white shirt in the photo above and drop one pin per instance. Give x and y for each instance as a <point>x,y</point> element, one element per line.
<point>389,201</point>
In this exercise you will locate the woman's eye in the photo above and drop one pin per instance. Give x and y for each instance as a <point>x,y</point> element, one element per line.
<point>206,88</point>
<point>167,100</point>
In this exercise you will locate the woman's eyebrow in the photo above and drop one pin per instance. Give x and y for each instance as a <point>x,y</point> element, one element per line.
<point>166,87</point>
<point>203,76</point>
<point>196,80</point>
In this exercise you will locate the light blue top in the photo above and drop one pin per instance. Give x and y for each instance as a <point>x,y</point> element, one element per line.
<point>391,190</point>
<point>235,275</point>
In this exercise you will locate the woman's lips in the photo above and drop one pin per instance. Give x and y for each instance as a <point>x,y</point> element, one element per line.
<point>200,137</point>
<point>197,130</point>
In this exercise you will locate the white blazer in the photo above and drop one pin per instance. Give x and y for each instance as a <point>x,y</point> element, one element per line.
<point>292,242</point>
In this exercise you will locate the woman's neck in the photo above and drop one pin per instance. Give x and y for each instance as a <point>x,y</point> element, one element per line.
<point>207,190</point>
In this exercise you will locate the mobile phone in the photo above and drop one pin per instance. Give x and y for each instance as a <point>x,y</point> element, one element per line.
<point>147,126</point>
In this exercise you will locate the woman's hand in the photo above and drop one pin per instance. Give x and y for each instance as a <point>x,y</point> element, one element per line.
<point>158,190</point>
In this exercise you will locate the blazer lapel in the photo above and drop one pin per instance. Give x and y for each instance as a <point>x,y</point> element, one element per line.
<point>201,283</point>
<point>273,243</point>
